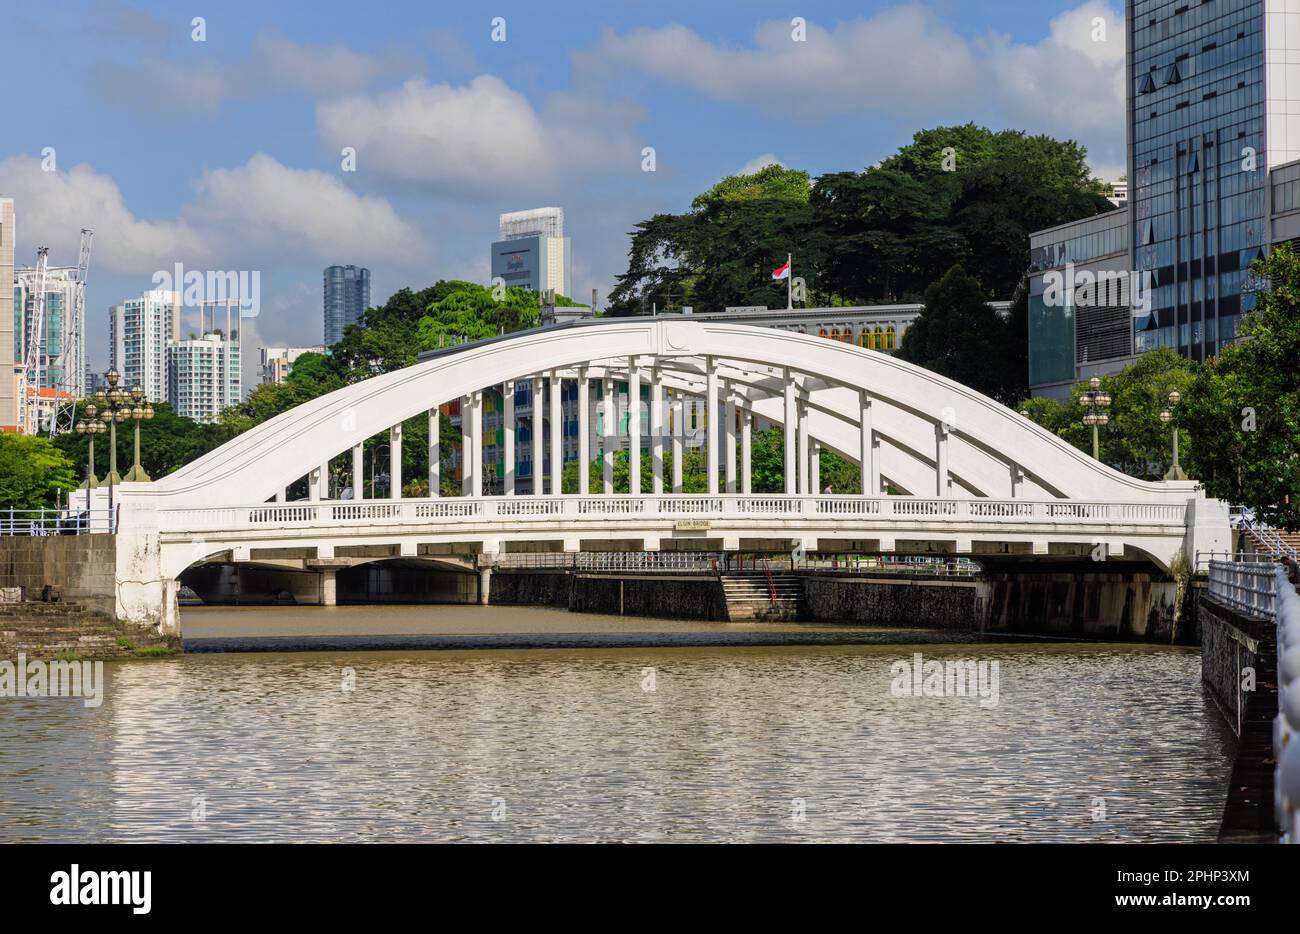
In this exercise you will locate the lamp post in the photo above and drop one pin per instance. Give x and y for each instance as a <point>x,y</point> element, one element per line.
<point>1167,416</point>
<point>113,406</point>
<point>139,412</point>
<point>1096,403</point>
<point>90,425</point>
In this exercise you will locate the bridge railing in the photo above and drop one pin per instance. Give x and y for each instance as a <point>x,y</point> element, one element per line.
<point>647,561</point>
<point>667,506</point>
<point>1249,587</point>
<point>57,521</point>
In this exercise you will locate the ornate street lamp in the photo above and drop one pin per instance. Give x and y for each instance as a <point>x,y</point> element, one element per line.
<point>1096,403</point>
<point>141,410</point>
<point>113,406</point>
<point>90,425</point>
<point>1167,416</point>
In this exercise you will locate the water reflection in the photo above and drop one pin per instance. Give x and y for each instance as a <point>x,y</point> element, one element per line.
<point>567,745</point>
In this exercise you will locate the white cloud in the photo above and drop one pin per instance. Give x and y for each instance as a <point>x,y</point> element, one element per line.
<point>759,162</point>
<point>257,216</point>
<point>481,138</point>
<point>905,62</point>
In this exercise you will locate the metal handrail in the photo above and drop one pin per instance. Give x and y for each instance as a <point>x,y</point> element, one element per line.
<point>1247,586</point>
<point>38,522</point>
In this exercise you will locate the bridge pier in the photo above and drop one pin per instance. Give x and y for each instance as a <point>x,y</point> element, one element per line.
<point>484,585</point>
<point>329,587</point>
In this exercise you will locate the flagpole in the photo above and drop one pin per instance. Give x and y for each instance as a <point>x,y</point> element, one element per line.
<point>789,278</point>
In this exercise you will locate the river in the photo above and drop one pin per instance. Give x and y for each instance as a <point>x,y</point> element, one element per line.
<point>1087,742</point>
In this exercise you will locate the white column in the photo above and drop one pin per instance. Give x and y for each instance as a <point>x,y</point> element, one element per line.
<point>467,445</point>
<point>815,467</point>
<point>940,459</point>
<point>657,431</point>
<point>358,471</point>
<point>679,432</point>
<point>539,437</point>
<point>803,447</point>
<point>729,439</point>
<point>791,420</point>
<point>557,436</point>
<point>866,451</point>
<point>633,427</point>
<point>584,431</point>
<point>508,439</point>
<point>1017,481</point>
<point>477,487</point>
<point>611,435</point>
<point>711,420</point>
<point>746,452</point>
<point>315,479</point>
<point>395,461</point>
<point>435,452</point>
<point>279,495</point>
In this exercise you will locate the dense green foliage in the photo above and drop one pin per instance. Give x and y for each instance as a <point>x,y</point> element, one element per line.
<point>1243,409</point>
<point>1135,441</point>
<point>960,195</point>
<point>34,473</point>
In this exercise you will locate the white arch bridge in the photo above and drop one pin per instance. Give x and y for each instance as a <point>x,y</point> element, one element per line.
<point>964,474</point>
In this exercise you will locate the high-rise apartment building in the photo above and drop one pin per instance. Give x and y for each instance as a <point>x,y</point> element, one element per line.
<point>8,362</point>
<point>277,362</point>
<point>347,296</point>
<point>139,331</point>
<point>63,366</point>
<point>533,252</point>
<point>203,375</point>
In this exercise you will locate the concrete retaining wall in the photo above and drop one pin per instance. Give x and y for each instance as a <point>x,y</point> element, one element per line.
<point>1230,643</point>
<point>930,603</point>
<point>82,567</point>
<point>662,596</point>
<point>531,588</point>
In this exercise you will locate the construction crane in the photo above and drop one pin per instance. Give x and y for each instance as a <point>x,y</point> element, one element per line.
<point>30,402</point>
<point>72,381</point>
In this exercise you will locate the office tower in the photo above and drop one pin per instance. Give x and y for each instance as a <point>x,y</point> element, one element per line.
<point>139,331</point>
<point>9,363</point>
<point>204,371</point>
<point>533,252</point>
<point>277,362</point>
<point>347,296</point>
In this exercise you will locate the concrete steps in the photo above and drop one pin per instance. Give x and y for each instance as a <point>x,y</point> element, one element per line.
<point>750,598</point>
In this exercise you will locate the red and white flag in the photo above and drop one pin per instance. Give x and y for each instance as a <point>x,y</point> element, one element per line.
<point>783,272</point>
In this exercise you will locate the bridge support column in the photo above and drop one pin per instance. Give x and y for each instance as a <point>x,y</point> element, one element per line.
<point>791,418</point>
<point>866,447</point>
<point>358,471</point>
<point>484,585</point>
<point>435,453</point>
<point>329,587</point>
<point>815,468</point>
<point>584,432</point>
<point>317,479</point>
<point>803,448</point>
<point>394,462</point>
<point>729,438</point>
<point>1017,481</point>
<point>610,435</point>
<point>746,452</point>
<point>711,420</point>
<point>476,476</point>
<point>557,433</point>
<point>466,444</point>
<point>656,432</point>
<point>633,427</point>
<point>538,428</point>
<point>279,495</point>
<point>508,437</point>
<point>678,431</point>
<point>941,481</point>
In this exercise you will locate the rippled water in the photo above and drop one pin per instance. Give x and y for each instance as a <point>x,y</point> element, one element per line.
<point>567,745</point>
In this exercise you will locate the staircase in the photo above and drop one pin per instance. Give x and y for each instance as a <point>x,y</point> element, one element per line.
<point>1269,542</point>
<point>750,597</point>
<point>45,630</point>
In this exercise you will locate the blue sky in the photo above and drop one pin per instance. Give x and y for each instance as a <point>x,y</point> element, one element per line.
<point>225,154</point>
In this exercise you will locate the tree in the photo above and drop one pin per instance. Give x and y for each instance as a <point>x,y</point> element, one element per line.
<point>960,336</point>
<point>1243,408</point>
<point>33,472</point>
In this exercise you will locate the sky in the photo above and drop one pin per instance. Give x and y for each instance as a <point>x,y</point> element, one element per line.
<point>227,153</point>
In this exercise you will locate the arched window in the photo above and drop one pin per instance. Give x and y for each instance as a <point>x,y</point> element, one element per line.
<point>879,338</point>
<point>864,337</point>
<point>889,338</point>
<point>821,332</point>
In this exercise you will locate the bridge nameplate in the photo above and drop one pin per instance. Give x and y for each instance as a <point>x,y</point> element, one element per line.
<point>691,525</point>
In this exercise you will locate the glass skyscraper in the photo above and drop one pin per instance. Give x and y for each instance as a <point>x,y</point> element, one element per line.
<point>347,296</point>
